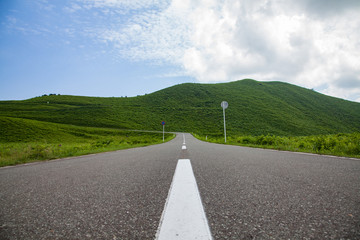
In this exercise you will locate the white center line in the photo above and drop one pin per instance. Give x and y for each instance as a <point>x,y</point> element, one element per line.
<point>183,216</point>
<point>184,139</point>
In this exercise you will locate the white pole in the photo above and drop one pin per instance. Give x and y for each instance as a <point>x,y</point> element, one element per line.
<point>163,132</point>
<point>224,125</point>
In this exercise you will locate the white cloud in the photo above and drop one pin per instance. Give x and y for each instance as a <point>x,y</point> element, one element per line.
<point>267,41</point>
<point>151,35</point>
<point>122,6</point>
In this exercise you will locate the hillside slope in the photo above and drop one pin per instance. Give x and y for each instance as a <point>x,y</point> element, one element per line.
<point>254,108</point>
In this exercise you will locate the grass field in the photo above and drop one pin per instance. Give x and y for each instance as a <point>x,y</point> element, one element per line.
<point>255,108</point>
<point>337,144</point>
<point>23,140</point>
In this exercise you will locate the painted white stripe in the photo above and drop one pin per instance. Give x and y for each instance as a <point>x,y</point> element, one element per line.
<point>312,154</point>
<point>183,147</point>
<point>184,139</point>
<point>183,216</point>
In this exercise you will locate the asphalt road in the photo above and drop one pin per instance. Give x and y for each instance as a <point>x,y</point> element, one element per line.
<point>247,194</point>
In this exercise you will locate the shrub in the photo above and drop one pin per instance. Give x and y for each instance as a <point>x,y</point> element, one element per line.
<point>339,144</point>
<point>39,152</point>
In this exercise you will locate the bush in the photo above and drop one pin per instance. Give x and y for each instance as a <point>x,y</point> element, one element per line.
<point>39,152</point>
<point>339,144</point>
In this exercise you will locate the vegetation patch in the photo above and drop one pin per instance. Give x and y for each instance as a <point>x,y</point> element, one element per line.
<point>23,140</point>
<point>337,144</point>
<point>255,108</point>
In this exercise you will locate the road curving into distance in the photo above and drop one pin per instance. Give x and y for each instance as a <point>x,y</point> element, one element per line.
<point>246,193</point>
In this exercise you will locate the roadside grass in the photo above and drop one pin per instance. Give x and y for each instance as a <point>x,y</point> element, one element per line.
<point>345,145</point>
<point>23,141</point>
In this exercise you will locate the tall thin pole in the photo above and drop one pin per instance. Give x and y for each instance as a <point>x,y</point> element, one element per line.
<point>163,133</point>
<point>224,125</point>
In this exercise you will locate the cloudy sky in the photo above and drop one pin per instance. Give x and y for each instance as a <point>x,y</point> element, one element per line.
<point>132,47</point>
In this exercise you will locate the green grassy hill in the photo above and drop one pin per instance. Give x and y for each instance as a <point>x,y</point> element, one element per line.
<point>255,108</point>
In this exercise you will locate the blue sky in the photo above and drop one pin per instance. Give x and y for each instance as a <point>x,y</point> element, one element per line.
<point>46,48</point>
<point>132,47</point>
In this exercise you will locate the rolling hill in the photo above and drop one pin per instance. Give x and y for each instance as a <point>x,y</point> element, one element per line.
<point>255,108</point>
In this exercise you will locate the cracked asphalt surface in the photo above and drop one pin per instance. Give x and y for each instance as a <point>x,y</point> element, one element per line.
<point>247,194</point>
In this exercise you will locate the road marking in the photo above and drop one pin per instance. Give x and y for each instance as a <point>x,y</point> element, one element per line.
<point>313,154</point>
<point>183,216</point>
<point>183,147</point>
<point>184,139</point>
